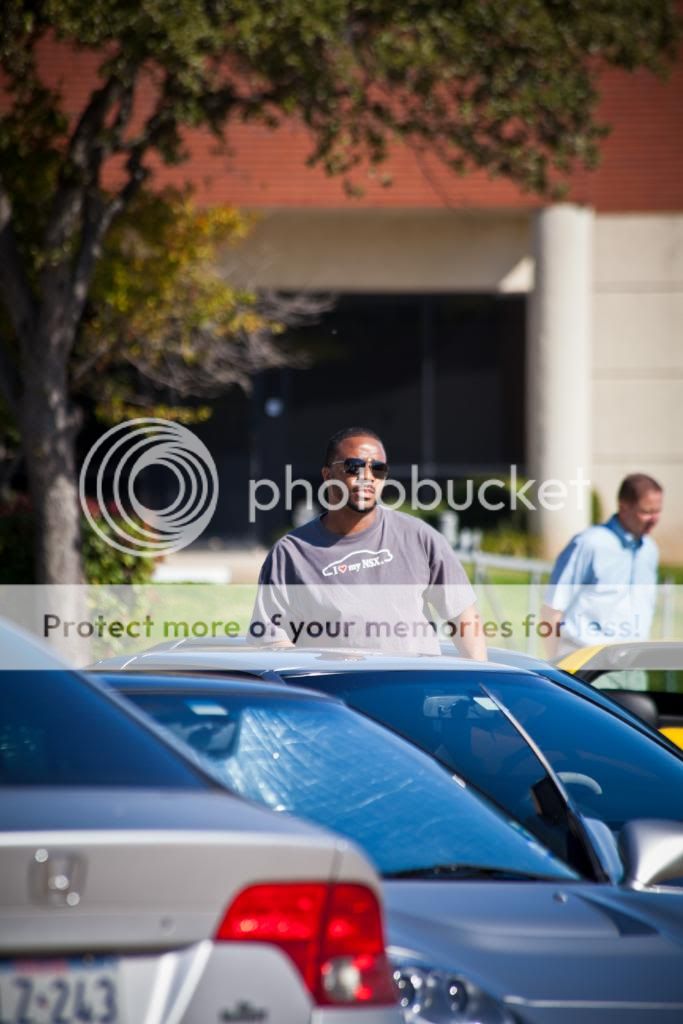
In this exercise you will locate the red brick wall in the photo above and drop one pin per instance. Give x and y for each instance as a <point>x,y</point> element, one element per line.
<point>641,169</point>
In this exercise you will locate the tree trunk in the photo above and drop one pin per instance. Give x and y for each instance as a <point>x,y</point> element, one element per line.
<point>48,432</point>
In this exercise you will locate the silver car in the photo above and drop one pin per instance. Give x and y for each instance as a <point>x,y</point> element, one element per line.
<point>485,926</point>
<point>134,890</point>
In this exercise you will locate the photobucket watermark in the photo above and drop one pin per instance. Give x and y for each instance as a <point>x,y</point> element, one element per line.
<point>121,457</point>
<point>493,494</point>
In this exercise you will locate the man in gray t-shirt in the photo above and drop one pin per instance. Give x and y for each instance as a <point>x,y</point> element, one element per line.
<point>362,575</point>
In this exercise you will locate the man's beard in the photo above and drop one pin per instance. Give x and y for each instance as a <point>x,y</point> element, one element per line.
<point>362,510</point>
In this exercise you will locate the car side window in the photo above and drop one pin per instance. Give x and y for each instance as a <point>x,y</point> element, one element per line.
<point>58,730</point>
<point>612,770</point>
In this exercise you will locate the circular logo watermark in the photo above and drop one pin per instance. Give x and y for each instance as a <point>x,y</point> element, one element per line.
<point>125,451</point>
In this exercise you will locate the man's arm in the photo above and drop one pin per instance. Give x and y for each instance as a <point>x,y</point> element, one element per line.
<point>269,615</point>
<point>551,617</point>
<point>449,588</point>
<point>468,635</point>
<point>572,569</point>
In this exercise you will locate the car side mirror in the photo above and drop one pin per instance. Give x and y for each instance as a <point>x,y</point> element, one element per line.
<point>639,704</point>
<point>652,851</point>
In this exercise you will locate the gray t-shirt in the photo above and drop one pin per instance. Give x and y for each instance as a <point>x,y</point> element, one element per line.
<point>368,590</point>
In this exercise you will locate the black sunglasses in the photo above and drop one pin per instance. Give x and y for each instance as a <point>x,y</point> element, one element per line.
<point>354,466</point>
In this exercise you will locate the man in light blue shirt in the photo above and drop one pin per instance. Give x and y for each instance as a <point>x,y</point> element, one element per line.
<point>603,585</point>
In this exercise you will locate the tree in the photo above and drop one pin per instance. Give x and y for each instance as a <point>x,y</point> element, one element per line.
<point>160,315</point>
<point>162,320</point>
<point>506,85</point>
<point>161,326</point>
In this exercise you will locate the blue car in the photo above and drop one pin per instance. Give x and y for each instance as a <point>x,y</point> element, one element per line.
<point>491,724</point>
<point>484,925</point>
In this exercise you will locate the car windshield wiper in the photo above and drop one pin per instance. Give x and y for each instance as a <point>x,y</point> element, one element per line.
<point>467,872</point>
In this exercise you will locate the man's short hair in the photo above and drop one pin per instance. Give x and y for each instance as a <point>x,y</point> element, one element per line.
<point>341,435</point>
<point>635,485</point>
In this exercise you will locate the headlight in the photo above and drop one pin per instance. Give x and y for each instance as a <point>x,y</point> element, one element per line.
<point>440,997</point>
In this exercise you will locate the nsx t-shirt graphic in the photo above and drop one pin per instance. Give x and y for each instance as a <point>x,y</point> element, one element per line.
<point>378,582</point>
<point>358,561</point>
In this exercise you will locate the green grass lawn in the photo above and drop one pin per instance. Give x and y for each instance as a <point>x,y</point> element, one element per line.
<point>132,619</point>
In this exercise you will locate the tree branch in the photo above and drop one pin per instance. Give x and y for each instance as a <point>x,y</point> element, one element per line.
<point>220,361</point>
<point>88,131</point>
<point>97,219</point>
<point>122,118</point>
<point>83,364</point>
<point>83,160</point>
<point>89,147</point>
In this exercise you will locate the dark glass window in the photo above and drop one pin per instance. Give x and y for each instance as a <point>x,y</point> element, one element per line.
<point>612,770</point>
<point>57,729</point>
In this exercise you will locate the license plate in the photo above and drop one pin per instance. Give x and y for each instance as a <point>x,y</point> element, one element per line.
<point>69,991</point>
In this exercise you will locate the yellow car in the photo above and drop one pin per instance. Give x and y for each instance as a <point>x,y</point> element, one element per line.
<point>646,676</point>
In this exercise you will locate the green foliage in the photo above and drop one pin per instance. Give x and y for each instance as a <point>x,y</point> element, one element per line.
<point>504,85</point>
<point>158,263</point>
<point>597,511</point>
<point>32,131</point>
<point>105,564</point>
<point>505,540</point>
<point>160,310</point>
<point>671,574</point>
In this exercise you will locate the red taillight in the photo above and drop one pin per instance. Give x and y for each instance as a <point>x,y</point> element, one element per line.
<point>333,933</point>
<point>353,964</point>
<point>289,916</point>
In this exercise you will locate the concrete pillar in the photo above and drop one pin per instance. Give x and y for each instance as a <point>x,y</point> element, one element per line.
<point>558,398</point>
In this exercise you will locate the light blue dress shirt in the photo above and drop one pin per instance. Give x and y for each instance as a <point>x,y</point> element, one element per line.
<point>605,583</point>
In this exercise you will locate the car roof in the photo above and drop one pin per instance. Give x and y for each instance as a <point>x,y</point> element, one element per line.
<point>194,657</point>
<point>149,682</point>
<point>248,664</point>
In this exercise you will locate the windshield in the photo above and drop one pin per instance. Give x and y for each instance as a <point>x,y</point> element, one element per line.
<point>322,762</point>
<point>612,771</point>
<point>620,773</point>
